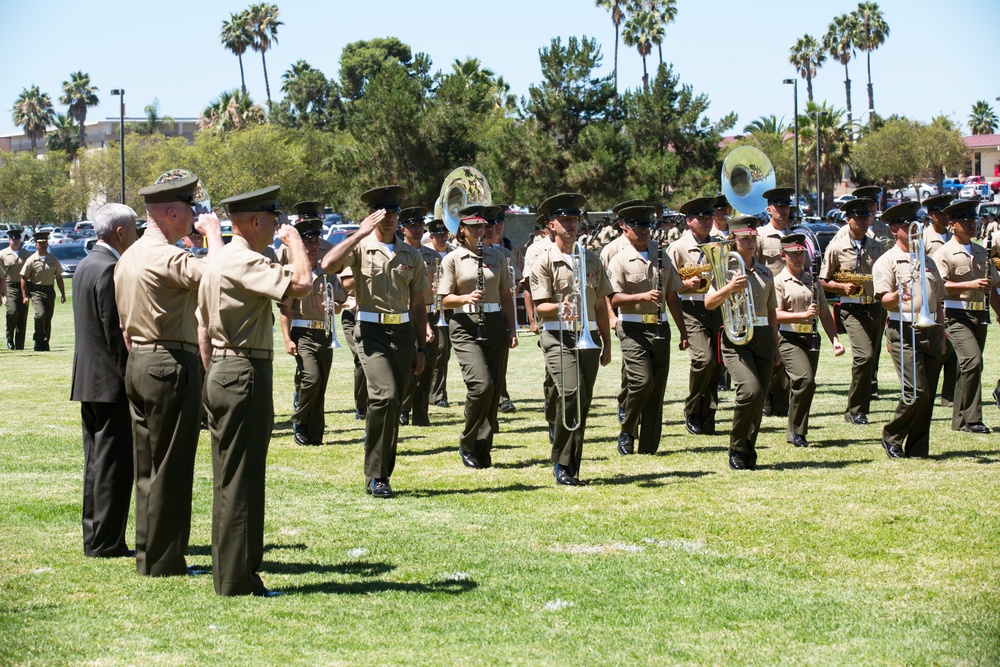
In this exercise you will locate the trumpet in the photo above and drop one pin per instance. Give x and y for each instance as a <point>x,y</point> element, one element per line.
<point>738,309</point>
<point>329,314</point>
<point>584,341</point>
<point>438,299</point>
<point>921,320</point>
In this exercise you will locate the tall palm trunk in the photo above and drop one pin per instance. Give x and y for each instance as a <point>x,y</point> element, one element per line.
<point>82,132</point>
<point>847,87</point>
<point>809,88</point>
<point>267,84</point>
<point>645,76</point>
<point>243,80</point>
<point>617,30</point>
<point>659,47</point>
<point>871,91</point>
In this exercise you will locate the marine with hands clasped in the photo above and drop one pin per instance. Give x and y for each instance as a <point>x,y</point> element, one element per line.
<point>644,284</point>
<point>847,269</point>
<point>390,282</point>
<point>703,325</point>
<point>970,280</point>
<point>556,277</point>
<point>416,396</point>
<point>156,289</point>
<point>477,286</point>
<point>11,261</point>
<point>38,274</point>
<point>235,303</point>
<point>908,294</point>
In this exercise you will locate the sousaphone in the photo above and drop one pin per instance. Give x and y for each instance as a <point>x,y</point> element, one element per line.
<point>465,186</point>
<point>746,175</point>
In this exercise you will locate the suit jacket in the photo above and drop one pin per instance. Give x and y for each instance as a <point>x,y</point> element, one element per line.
<point>99,354</point>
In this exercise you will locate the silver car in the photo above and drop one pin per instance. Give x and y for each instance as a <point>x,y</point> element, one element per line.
<point>69,255</point>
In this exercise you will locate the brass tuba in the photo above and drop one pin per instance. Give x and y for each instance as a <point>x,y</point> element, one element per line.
<point>746,175</point>
<point>737,309</point>
<point>464,186</point>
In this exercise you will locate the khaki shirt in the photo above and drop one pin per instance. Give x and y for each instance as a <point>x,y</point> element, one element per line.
<point>461,273</point>
<point>769,247</point>
<point>311,307</point>
<point>431,258</point>
<point>958,265</point>
<point>552,274</point>
<point>234,300</point>
<point>11,263</point>
<point>38,270</point>
<point>631,273</point>
<point>608,234</point>
<point>609,251</point>
<point>761,282</point>
<point>156,289</point>
<point>841,256</point>
<point>685,251</point>
<point>384,283</point>
<point>795,295</point>
<point>673,234</point>
<point>893,269</point>
<point>933,241</point>
<point>878,230</point>
<point>511,264</point>
<point>539,245</point>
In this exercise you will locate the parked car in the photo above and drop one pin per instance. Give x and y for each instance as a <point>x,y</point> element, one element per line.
<point>842,199</point>
<point>338,233</point>
<point>977,191</point>
<point>820,233</point>
<point>925,190</point>
<point>952,186</point>
<point>69,255</point>
<point>982,180</point>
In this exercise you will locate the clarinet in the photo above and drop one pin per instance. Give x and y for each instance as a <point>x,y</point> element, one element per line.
<point>814,340</point>
<point>659,288</point>
<point>989,260</point>
<point>481,287</point>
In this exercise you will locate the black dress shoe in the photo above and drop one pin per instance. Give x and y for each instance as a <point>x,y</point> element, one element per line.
<point>996,396</point>
<point>483,454</point>
<point>626,444</point>
<point>799,441</point>
<point>10,344</point>
<point>552,433</point>
<point>621,413</point>
<point>565,477</point>
<point>945,403</point>
<point>442,403</point>
<point>404,418</point>
<point>737,460</point>
<point>892,451</point>
<point>300,438</point>
<point>380,488</point>
<point>507,406</point>
<point>266,593</point>
<point>860,419</point>
<point>692,423</point>
<point>469,459</point>
<point>977,427</point>
<point>359,415</point>
<point>767,407</point>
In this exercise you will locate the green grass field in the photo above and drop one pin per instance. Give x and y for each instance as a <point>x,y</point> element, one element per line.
<point>828,555</point>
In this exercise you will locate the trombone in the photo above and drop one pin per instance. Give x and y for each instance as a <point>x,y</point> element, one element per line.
<point>330,314</point>
<point>921,320</point>
<point>584,341</point>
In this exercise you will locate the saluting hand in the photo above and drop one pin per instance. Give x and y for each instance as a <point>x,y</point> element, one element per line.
<point>207,223</point>
<point>368,225</point>
<point>286,234</point>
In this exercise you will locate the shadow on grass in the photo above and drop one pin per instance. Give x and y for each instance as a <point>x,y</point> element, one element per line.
<point>984,458</point>
<point>206,549</point>
<point>428,452</point>
<point>695,450</point>
<point>521,465</point>
<point>369,587</point>
<point>430,493</point>
<point>353,568</point>
<point>799,465</point>
<point>649,480</point>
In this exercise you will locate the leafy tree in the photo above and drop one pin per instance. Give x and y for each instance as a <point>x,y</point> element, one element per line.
<point>231,111</point>
<point>33,191</point>
<point>943,149</point>
<point>154,122</point>
<point>983,120</point>
<point>360,61</point>
<point>839,42</point>
<point>642,30</point>
<point>517,158</point>
<point>871,33</point>
<point>65,138</point>
<point>600,166</point>
<point>263,19</point>
<point>310,99</point>
<point>79,95</point>
<point>617,16</point>
<point>891,155</point>
<point>807,55</point>
<point>766,125</point>
<point>237,36</point>
<point>247,160</point>
<point>33,111</point>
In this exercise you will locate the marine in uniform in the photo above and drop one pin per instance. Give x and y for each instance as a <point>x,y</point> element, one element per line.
<point>496,220</point>
<point>156,289</point>
<point>483,325</point>
<point>533,251</point>
<point>703,325</point>
<point>573,371</point>
<point>308,325</point>
<point>936,234</point>
<point>800,312</point>
<point>416,398</point>
<point>721,210</point>
<point>234,307</point>
<point>390,281</point>
<point>750,365</point>
<point>99,359</point>
<point>855,255</point>
<point>644,285</point>
<point>907,434</point>
<point>348,320</point>
<point>11,261</point>
<point>439,373</point>
<point>970,281</point>
<point>38,274</point>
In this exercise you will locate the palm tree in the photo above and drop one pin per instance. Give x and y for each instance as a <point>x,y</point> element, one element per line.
<point>154,121</point>
<point>79,95</point>
<point>65,137</point>
<point>638,32</point>
<point>835,143</point>
<point>33,111</point>
<point>807,56</point>
<point>264,27</point>
<point>617,16</point>
<point>839,43</point>
<point>871,33</point>
<point>766,125</point>
<point>233,110</point>
<point>664,12</point>
<point>983,120</point>
<point>237,37</point>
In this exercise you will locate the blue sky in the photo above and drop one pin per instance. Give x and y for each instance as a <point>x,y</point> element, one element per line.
<point>938,58</point>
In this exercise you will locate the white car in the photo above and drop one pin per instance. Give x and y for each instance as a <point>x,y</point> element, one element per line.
<point>926,190</point>
<point>977,191</point>
<point>842,199</point>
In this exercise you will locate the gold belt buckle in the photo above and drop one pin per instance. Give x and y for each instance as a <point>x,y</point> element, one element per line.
<point>802,328</point>
<point>392,318</point>
<point>649,319</point>
<point>976,305</point>
<point>314,324</point>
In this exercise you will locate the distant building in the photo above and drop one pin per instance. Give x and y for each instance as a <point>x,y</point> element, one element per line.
<point>98,133</point>
<point>985,150</point>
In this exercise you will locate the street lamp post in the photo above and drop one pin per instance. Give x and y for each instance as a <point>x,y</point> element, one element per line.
<point>795,83</point>
<point>819,194</point>
<point>120,92</point>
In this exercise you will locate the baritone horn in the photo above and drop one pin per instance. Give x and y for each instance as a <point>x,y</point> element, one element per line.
<point>746,175</point>
<point>737,309</point>
<point>464,186</point>
<point>584,341</point>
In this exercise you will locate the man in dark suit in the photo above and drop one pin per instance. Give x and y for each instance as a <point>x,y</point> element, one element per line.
<point>99,359</point>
